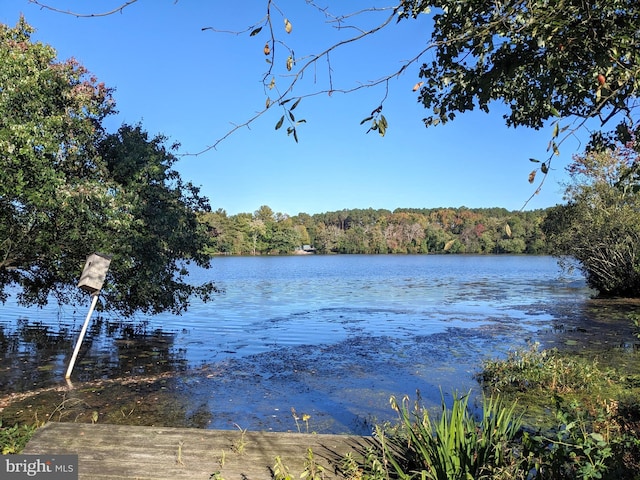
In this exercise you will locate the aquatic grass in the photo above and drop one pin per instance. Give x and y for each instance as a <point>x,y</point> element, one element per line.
<point>548,370</point>
<point>456,445</point>
<point>583,418</point>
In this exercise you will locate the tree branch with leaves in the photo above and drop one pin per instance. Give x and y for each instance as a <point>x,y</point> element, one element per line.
<point>567,65</point>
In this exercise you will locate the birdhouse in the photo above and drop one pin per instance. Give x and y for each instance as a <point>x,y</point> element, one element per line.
<point>94,273</point>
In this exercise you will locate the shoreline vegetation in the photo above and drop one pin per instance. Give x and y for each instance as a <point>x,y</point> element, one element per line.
<point>376,231</point>
<point>545,414</point>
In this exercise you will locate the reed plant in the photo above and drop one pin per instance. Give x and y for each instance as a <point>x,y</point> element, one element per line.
<point>454,446</point>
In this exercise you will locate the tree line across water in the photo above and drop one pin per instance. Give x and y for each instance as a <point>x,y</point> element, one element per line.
<point>377,231</point>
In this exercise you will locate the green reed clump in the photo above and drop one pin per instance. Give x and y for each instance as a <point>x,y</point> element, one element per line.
<point>584,443</point>
<point>454,446</point>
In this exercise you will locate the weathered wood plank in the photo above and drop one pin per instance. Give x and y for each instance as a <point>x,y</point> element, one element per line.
<point>133,452</point>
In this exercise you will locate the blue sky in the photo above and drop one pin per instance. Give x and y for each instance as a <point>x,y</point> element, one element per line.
<point>193,86</point>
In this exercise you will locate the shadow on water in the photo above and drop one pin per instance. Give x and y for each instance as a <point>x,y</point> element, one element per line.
<point>37,355</point>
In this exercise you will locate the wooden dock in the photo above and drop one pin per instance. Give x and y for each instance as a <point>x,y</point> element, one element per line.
<point>132,452</point>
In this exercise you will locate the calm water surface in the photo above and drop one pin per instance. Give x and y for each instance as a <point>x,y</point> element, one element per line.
<point>331,336</point>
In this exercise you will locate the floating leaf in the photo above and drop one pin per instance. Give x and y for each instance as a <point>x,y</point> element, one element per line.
<point>280,122</point>
<point>532,176</point>
<point>255,31</point>
<point>287,26</point>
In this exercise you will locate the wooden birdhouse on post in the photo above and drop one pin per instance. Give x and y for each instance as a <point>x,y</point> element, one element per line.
<point>94,273</point>
<point>91,281</point>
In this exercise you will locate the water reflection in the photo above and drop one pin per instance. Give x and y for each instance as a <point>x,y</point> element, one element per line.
<point>332,337</point>
<point>36,355</point>
<point>29,354</point>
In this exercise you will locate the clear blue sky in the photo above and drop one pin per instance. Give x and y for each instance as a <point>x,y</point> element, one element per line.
<point>193,85</point>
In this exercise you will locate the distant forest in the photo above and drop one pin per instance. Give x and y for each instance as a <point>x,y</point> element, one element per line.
<point>369,231</point>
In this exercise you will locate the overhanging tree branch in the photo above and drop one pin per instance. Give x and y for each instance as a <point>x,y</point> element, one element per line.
<point>118,9</point>
<point>541,62</point>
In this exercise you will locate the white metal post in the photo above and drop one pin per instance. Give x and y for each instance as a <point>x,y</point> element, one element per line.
<point>82,333</point>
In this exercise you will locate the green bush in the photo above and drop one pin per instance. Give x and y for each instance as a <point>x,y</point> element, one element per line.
<point>547,370</point>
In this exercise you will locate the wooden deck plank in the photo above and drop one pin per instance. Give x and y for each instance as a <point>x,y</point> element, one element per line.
<point>133,452</point>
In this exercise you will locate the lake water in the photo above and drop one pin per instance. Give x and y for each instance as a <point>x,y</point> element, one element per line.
<point>329,336</point>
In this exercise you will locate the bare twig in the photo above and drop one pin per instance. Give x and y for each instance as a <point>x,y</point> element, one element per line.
<point>84,15</point>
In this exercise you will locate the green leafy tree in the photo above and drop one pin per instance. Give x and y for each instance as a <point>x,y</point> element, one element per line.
<point>599,227</point>
<point>67,189</point>
<point>220,230</point>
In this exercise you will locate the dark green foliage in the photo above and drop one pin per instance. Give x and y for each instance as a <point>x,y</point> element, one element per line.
<point>599,227</point>
<point>68,189</point>
<point>161,232</point>
<point>542,59</point>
